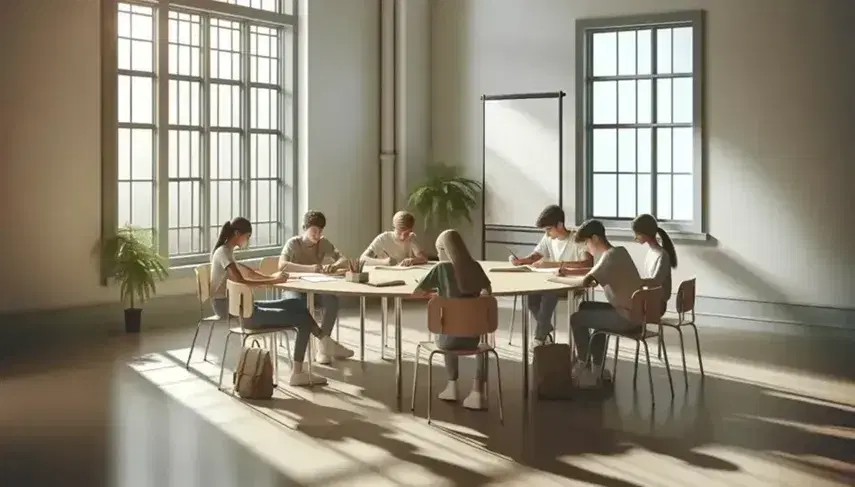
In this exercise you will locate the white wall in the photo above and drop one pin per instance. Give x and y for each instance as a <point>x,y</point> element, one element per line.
<point>780,111</point>
<point>50,150</point>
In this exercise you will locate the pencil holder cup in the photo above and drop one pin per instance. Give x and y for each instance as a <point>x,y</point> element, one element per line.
<point>358,277</point>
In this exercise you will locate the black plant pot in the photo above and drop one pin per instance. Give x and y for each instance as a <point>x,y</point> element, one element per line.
<point>133,319</point>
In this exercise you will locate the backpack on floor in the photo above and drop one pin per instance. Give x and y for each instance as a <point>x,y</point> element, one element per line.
<point>253,377</point>
<point>553,367</point>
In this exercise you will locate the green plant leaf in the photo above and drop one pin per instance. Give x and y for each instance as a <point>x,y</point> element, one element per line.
<point>446,197</point>
<point>130,259</point>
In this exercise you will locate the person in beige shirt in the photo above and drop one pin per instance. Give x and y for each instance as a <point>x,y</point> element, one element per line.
<point>311,252</point>
<point>398,246</point>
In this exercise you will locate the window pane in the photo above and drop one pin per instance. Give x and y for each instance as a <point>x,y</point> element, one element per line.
<point>263,156</point>
<point>644,147</point>
<point>626,196</point>
<point>124,201</point>
<point>124,154</point>
<point>124,99</point>
<point>663,51</point>
<point>142,22</point>
<point>645,100</point>
<point>605,150</point>
<point>124,25</point>
<point>225,49</point>
<point>663,197</point>
<point>142,162</point>
<point>626,101</point>
<point>604,53</point>
<point>261,195</point>
<point>142,98</point>
<point>644,193</point>
<point>173,207</point>
<point>225,201</point>
<point>268,5</point>
<point>142,204</point>
<point>604,101</point>
<point>682,43</point>
<point>683,156</point>
<point>626,53</point>
<point>645,51</point>
<point>124,54</point>
<point>264,49</point>
<point>683,98</point>
<point>663,100</point>
<point>264,108</point>
<point>225,106</point>
<point>683,198</point>
<point>225,156</point>
<point>142,56</point>
<point>184,154</point>
<point>188,203</point>
<point>663,150</point>
<point>626,150</point>
<point>605,195</point>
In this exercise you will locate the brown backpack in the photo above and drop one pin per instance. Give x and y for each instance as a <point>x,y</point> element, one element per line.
<point>553,367</point>
<point>253,378</point>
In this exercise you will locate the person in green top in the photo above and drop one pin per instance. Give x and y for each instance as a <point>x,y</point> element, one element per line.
<point>458,275</point>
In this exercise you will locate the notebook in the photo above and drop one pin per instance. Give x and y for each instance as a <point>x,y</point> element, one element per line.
<point>320,278</point>
<point>520,268</point>
<point>396,282</point>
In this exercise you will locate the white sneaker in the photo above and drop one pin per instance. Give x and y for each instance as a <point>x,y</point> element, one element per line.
<point>302,379</point>
<point>450,392</point>
<point>322,358</point>
<point>475,401</point>
<point>333,349</point>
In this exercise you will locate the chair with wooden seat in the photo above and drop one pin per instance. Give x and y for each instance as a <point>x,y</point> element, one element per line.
<point>646,309</point>
<point>241,307</point>
<point>459,317</point>
<point>685,317</point>
<point>203,293</point>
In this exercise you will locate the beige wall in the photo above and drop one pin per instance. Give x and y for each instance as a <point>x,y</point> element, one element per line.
<point>50,150</point>
<point>780,110</point>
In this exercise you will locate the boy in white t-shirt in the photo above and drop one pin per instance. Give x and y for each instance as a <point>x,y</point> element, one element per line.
<point>557,248</point>
<point>397,246</point>
<point>615,271</point>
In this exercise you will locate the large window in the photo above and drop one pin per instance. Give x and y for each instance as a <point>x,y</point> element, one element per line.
<point>640,129</point>
<point>204,121</point>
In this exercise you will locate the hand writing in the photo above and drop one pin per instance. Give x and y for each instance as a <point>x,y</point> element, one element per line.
<point>406,263</point>
<point>515,260</point>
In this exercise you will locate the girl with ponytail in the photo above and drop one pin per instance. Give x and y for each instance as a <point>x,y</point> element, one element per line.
<point>661,258</point>
<point>273,313</point>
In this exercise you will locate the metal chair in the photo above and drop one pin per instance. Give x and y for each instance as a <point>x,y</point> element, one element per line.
<point>685,306</point>
<point>646,310</point>
<point>241,307</point>
<point>461,317</point>
<point>203,293</point>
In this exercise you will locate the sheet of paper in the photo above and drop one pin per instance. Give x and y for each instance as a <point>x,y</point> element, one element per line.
<point>393,268</point>
<point>511,269</point>
<point>320,278</point>
<point>543,270</point>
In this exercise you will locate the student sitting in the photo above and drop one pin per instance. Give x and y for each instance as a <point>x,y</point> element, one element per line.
<point>616,273</point>
<point>280,312</point>
<point>311,252</point>
<point>396,246</point>
<point>458,275</point>
<point>556,249</point>
<point>660,258</point>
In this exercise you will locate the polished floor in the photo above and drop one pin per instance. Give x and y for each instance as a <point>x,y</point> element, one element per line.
<point>125,412</point>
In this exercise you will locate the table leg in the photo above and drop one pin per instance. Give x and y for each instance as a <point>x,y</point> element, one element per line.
<point>384,322</point>
<point>571,308</point>
<point>525,325</point>
<point>398,348</point>
<point>362,328</point>
<point>310,303</point>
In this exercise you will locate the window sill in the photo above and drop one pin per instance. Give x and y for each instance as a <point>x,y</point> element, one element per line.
<point>626,234</point>
<point>185,266</point>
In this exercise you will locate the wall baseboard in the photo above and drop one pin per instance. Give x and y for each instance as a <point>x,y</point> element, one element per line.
<point>23,331</point>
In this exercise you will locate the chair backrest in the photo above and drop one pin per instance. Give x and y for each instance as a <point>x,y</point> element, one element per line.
<point>686,296</point>
<point>240,300</point>
<point>463,316</point>
<point>203,282</point>
<point>269,265</point>
<point>647,305</point>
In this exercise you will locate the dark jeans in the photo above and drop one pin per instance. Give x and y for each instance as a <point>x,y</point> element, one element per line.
<point>542,306</point>
<point>449,342</point>
<point>276,313</point>
<point>597,316</point>
<point>327,302</point>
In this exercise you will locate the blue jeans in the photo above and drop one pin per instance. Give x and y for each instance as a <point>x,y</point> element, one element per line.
<point>542,306</point>
<point>327,302</point>
<point>279,312</point>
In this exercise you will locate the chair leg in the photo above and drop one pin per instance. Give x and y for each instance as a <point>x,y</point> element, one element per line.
<point>513,319</point>
<point>384,314</point>
<point>223,360</point>
<point>499,388</point>
<point>617,350</point>
<point>668,371</point>
<point>661,343</point>
<point>683,353</point>
<point>415,378</point>
<point>649,369</point>
<point>635,371</point>
<point>698,345</point>
<point>192,345</point>
<point>274,347</point>
<point>288,349</point>
<point>337,328</point>
<point>430,384</point>
<point>208,343</point>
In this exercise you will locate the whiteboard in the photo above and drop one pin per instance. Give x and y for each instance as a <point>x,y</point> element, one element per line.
<point>521,160</point>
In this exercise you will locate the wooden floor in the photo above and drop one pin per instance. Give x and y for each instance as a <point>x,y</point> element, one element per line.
<point>775,411</point>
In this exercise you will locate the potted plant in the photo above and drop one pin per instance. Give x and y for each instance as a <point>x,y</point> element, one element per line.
<point>129,259</point>
<point>445,198</point>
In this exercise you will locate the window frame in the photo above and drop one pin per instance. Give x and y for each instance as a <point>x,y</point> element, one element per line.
<point>287,197</point>
<point>585,28</point>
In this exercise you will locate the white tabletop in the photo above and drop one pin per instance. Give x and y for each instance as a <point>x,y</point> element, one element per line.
<point>504,283</point>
